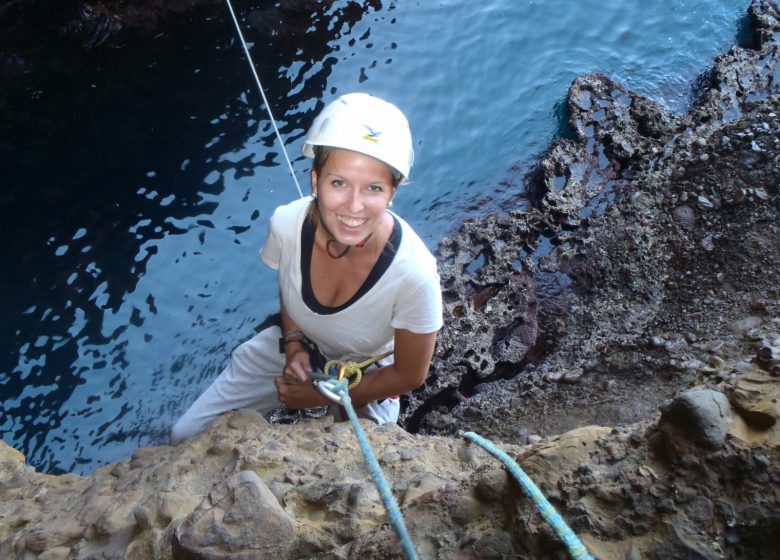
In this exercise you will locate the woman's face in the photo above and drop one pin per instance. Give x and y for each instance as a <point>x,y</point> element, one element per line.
<point>354,190</point>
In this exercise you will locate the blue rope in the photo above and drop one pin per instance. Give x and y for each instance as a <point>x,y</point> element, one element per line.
<point>391,506</point>
<point>577,550</point>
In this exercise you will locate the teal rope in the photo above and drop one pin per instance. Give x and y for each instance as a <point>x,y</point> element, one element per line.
<point>577,550</point>
<point>391,506</point>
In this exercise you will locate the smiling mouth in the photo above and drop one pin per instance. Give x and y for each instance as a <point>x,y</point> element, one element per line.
<point>352,222</point>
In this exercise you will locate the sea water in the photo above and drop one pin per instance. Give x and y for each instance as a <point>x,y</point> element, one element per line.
<point>138,175</point>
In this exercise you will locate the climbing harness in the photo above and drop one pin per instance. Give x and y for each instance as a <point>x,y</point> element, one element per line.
<point>337,389</point>
<point>576,549</point>
<point>265,100</point>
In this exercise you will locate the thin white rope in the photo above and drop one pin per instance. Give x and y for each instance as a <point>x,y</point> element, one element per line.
<point>265,100</point>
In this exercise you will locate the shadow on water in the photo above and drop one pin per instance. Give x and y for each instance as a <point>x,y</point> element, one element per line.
<point>561,113</point>
<point>746,33</point>
<point>108,134</point>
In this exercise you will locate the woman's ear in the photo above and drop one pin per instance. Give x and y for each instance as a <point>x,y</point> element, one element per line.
<point>392,196</point>
<point>313,183</point>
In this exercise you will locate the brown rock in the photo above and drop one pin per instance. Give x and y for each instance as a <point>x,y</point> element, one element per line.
<point>230,528</point>
<point>756,396</point>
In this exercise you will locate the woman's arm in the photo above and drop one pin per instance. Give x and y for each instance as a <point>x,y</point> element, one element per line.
<point>413,353</point>
<point>298,361</point>
<point>412,358</point>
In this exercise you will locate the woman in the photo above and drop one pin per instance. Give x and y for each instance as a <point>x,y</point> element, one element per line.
<point>355,280</point>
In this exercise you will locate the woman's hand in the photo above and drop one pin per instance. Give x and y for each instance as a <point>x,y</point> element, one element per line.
<point>298,363</point>
<point>298,394</point>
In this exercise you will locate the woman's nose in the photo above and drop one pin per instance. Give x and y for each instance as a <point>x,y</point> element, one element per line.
<point>355,201</point>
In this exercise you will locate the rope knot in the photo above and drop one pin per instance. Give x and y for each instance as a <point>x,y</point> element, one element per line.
<point>347,368</point>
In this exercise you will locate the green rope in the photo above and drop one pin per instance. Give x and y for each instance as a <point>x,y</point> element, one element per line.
<point>577,550</point>
<point>341,389</point>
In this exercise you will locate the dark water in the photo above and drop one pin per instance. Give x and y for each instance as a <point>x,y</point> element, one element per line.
<point>138,172</point>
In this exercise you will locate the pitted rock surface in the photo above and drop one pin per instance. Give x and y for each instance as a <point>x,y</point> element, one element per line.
<point>632,250</point>
<point>249,489</point>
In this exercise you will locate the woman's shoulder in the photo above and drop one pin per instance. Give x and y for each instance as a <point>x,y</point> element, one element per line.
<point>412,247</point>
<point>292,212</point>
<point>296,207</point>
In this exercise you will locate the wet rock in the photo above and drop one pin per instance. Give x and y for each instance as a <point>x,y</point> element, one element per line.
<point>490,305</point>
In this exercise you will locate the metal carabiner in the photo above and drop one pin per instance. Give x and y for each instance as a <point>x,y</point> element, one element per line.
<point>326,388</point>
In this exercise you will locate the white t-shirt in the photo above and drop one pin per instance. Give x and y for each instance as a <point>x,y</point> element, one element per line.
<point>407,295</point>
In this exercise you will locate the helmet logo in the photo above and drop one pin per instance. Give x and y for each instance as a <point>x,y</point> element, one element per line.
<point>373,135</point>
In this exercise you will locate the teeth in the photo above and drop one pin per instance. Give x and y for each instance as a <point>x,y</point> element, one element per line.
<point>351,222</point>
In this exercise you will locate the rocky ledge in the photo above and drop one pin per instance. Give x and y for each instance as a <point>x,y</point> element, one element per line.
<point>619,336</point>
<point>700,483</point>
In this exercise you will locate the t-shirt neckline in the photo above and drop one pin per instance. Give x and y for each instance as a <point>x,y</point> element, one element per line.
<point>380,267</point>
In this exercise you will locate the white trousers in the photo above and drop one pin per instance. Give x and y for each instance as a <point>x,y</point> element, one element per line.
<point>248,382</point>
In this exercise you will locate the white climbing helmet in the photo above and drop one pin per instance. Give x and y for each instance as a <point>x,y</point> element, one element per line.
<point>363,123</point>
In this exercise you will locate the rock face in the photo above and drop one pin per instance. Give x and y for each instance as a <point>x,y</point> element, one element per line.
<point>646,262</point>
<point>642,278</point>
<point>253,490</point>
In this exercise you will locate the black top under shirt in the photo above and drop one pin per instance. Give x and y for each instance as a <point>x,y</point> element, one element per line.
<point>383,262</point>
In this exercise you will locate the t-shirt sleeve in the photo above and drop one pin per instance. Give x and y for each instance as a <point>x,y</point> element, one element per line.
<point>419,308</point>
<point>271,253</point>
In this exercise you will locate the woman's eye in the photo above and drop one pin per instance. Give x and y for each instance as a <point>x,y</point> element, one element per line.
<point>375,188</point>
<point>337,183</point>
